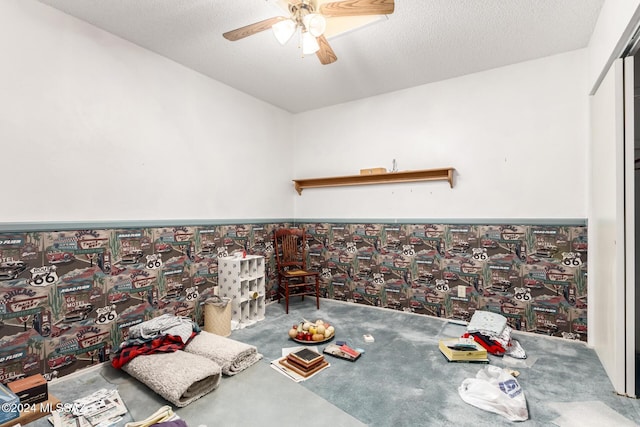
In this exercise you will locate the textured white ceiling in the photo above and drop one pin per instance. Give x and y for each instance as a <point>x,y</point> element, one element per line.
<point>423,41</point>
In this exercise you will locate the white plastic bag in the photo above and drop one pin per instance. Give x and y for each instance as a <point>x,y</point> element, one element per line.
<point>495,390</point>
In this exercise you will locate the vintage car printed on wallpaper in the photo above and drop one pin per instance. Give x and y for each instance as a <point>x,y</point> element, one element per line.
<point>67,298</point>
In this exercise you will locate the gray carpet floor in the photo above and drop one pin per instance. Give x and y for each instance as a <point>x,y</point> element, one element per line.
<point>403,380</point>
<point>400,380</point>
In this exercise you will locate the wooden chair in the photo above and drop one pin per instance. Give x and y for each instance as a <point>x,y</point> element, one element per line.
<point>294,279</point>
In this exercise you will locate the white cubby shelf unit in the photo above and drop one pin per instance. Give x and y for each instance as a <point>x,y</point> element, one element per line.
<point>242,280</point>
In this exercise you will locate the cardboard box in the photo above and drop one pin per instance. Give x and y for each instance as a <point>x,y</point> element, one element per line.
<point>32,389</point>
<point>9,402</point>
<point>373,171</point>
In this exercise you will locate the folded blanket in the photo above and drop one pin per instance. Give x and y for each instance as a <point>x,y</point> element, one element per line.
<point>232,356</point>
<point>179,377</point>
<point>160,344</point>
<point>487,323</point>
<point>162,325</point>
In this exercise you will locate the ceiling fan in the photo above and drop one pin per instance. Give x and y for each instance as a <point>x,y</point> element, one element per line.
<point>308,17</point>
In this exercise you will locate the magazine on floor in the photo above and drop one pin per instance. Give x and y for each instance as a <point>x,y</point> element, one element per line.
<point>342,351</point>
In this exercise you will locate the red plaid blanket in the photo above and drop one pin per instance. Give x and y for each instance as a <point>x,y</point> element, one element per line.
<point>162,344</point>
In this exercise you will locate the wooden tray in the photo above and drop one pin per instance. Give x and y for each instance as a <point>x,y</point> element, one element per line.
<point>284,362</point>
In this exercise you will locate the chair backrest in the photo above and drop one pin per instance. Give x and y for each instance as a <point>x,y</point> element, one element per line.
<point>290,247</point>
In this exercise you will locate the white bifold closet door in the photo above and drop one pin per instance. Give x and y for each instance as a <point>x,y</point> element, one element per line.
<point>631,199</point>
<point>607,313</point>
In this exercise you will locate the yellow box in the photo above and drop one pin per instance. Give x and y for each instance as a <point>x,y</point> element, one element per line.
<point>373,171</point>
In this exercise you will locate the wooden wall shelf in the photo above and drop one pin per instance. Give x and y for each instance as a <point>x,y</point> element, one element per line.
<point>444,174</point>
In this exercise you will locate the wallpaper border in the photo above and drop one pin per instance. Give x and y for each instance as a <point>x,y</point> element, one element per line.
<point>75,225</point>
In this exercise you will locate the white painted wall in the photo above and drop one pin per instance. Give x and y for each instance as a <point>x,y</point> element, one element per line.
<point>95,128</point>
<point>516,135</point>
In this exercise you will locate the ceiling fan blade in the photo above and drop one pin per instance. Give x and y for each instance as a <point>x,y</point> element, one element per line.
<point>325,54</point>
<point>357,8</point>
<point>252,29</point>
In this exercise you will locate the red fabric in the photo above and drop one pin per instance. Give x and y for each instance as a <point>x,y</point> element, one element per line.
<point>162,344</point>
<point>492,346</point>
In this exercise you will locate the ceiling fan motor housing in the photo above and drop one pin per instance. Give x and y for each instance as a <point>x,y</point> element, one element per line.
<point>300,9</point>
<point>305,15</point>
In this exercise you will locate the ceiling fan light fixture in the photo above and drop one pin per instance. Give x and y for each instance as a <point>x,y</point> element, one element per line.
<point>309,44</point>
<point>309,19</point>
<point>315,24</point>
<point>284,30</point>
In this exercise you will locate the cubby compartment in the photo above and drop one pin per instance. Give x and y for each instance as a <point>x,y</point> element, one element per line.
<point>260,267</point>
<point>244,269</point>
<point>260,308</point>
<point>253,289</point>
<point>245,313</point>
<point>260,286</point>
<point>253,308</point>
<point>244,290</point>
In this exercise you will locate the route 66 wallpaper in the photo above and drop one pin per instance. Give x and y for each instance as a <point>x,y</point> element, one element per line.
<point>67,298</point>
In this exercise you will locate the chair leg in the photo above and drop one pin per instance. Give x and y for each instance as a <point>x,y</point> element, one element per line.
<point>279,288</point>
<point>317,293</point>
<point>286,297</point>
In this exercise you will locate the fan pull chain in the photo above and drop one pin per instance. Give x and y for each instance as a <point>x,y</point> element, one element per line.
<point>300,43</point>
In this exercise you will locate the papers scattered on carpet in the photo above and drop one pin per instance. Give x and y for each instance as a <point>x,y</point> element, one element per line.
<point>103,408</point>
